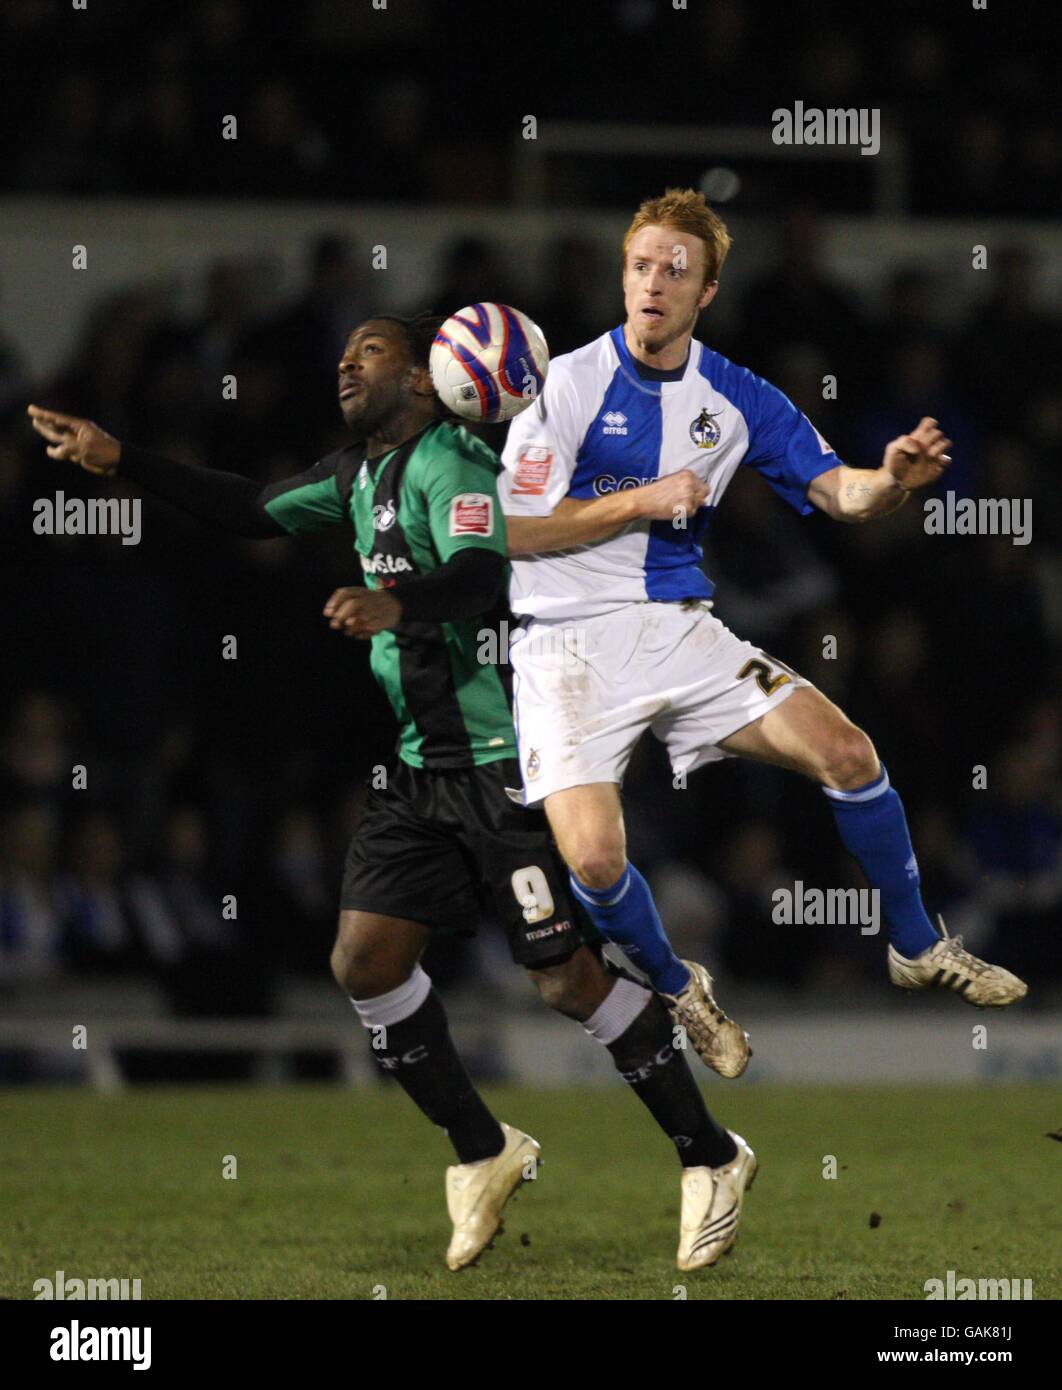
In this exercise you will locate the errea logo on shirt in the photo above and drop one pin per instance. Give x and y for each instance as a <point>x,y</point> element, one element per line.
<point>613,422</point>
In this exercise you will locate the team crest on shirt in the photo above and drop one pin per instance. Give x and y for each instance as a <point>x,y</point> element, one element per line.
<point>383,516</point>
<point>704,431</point>
<point>534,763</point>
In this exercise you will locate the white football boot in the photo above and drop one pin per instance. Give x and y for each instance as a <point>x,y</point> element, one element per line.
<point>477,1192</point>
<point>720,1043</point>
<point>711,1207</point>
<point>949,965</point>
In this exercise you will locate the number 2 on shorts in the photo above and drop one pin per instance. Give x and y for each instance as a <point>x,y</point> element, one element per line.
<point>760,669</point>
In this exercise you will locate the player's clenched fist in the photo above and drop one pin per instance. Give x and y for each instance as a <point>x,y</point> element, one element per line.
<point>918,458</point>
<point>676,496</point>
<point>358,612</point>
<point>78,441</point>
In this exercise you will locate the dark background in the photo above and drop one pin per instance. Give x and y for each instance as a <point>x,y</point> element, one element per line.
<point>209,777</point>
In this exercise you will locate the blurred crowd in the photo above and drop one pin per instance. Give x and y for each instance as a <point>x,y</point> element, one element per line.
<point>422,101</point>
<point>205,847</point>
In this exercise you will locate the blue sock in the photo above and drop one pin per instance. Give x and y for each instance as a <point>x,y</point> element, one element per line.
<point>874,830</point>
<point>627,915</point>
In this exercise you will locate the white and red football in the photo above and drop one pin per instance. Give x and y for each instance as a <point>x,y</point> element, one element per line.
<point>488,362</point>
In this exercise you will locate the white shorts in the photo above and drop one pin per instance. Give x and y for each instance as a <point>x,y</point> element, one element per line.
<point>585,692</point>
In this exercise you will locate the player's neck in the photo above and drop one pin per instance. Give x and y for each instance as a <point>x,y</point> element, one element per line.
<point>668,359</point>
<point>392,433</point>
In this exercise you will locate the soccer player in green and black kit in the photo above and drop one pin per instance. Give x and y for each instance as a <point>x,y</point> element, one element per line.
<point>442,843</point>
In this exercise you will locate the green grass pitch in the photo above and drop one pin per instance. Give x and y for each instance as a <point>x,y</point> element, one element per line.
<point>338,1193</point>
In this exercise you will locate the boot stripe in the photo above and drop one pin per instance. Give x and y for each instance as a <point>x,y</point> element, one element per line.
<point>719,1221</point>
<point>710,1238</point>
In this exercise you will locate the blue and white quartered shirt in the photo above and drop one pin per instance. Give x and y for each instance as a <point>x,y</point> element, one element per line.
<point>599,427</point>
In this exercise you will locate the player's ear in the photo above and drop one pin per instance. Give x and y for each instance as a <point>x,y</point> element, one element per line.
<point>708,294</point>
<point>421,382</point>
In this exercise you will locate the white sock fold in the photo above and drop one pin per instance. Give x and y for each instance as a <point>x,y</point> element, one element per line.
<point>397,1004</point>
<point>614,1016</point>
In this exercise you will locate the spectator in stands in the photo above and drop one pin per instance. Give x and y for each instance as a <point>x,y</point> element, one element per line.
<point>1016,836</point>
<point>198,942</point>
<point>774,576</point>
<point>797,302</point>
<point>14,379</point>
<point>30,910</point>
<point>68,146</point>
<point>750,869</point>
<point>309,336</point>
<point>35,758</point>
<point>281,152</point>
<point>159,148</point>
<point>472,270</point>
<point>101,926</point>
<point>300,903</point>
<point>1011,346</point>
<point>566,311</point>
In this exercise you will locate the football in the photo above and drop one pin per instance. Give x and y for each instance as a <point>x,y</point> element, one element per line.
<point>488,362</point>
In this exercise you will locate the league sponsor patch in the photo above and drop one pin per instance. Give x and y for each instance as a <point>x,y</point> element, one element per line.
<point>472,514</point>
<point>532,471</point>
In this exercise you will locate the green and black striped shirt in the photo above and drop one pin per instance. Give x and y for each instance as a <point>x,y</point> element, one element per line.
<point>411,511</point>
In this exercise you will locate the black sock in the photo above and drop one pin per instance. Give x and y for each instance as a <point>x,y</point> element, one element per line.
<point>660,1077</point>
<point>421,1056</point>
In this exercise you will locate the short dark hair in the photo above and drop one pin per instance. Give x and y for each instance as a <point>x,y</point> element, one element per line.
<point>419,330</point>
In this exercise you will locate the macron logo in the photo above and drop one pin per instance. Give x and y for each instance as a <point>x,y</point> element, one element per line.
<point>614,422</point>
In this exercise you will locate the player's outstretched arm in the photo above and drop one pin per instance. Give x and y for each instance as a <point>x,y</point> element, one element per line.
<point>77,441</point>
<point>858,494</point>
<point>227,500</point>
<point>582,521</point>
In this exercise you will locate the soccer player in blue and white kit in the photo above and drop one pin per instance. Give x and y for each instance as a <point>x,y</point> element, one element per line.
<point>611,479</point>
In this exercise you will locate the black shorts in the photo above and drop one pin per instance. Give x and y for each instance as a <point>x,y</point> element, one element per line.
<point>451,850</point>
